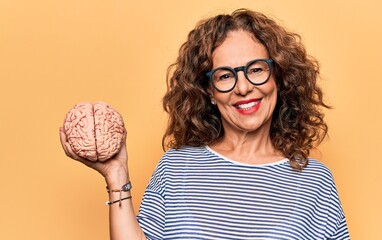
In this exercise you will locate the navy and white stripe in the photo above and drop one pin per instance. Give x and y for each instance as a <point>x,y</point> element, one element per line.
<point>196,193</point>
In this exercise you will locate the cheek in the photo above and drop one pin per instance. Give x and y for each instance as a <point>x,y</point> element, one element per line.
<point>270,89</point>
<point>221,98</point>
<point>271,92</point>
<point>273,101</point>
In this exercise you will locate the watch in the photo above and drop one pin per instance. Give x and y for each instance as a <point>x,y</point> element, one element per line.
<point>126,187</point>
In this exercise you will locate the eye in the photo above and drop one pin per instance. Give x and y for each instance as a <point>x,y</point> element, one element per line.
<point>226,76</point>
<point>255,70</point>
<point>223,75</point>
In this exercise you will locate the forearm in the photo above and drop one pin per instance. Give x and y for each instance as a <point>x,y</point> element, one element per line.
<point>123,222</point>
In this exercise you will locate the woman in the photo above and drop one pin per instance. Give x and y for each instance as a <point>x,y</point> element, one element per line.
<point>244,111</point>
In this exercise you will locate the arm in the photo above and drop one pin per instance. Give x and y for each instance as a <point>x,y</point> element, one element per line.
<point>123,222</point>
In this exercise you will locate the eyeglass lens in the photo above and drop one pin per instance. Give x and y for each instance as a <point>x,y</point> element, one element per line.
<point>225,78</point>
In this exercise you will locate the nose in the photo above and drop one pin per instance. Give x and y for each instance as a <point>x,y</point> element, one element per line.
<point>243,86</point>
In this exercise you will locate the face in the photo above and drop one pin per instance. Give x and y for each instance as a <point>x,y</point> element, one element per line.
<point>247,108</point>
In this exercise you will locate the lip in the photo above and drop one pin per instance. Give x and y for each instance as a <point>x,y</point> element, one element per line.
<point>250,110</point>
<point>247,101</point>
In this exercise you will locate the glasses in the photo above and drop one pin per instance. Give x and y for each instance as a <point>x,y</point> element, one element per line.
<point>257,72</point>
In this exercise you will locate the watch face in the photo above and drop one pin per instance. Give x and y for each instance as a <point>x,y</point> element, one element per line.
<point>126,187</point>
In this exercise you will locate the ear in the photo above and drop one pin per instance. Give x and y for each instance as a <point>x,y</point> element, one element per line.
<point>211,95</point>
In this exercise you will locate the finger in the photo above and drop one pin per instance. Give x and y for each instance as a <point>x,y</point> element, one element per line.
<point>67,148</point>
<point>65,144</point>
<point>91,164</point>
<point>63,141</point>
<point>62,136</point>
<point>70,153</point>
<point>124,137</point>
<point>123,149</point>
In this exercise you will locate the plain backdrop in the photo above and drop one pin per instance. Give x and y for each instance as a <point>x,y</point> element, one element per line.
<point>54,54</point>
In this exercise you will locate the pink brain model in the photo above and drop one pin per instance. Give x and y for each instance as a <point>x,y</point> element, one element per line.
<point>94,131</point>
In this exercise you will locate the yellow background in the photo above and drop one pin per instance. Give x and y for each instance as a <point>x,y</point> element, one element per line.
<point>54,54</point>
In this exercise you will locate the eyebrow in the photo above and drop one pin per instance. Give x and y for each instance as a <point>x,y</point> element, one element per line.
<point>242,65</point>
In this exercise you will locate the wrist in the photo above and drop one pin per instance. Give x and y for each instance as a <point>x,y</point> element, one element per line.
<point>117,178</point>
<point>124,194</point>
<point>125,188</point>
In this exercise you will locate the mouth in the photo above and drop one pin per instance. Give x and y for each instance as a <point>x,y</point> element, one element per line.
<point>247,106</point>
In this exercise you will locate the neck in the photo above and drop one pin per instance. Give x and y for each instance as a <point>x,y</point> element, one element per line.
<point>248,147</point>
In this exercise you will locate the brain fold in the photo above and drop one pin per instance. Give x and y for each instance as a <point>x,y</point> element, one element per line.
<point>94,131</point>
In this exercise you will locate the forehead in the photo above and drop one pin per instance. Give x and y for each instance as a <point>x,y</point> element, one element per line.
<point>237,49</point>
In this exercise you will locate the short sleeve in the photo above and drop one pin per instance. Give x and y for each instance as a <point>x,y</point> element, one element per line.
<point>151,216</point>
<point>341,231</point>
<point>336,225</point>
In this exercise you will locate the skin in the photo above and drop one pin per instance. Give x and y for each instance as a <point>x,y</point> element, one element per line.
<point>123,222</point>
<point>246,137</point>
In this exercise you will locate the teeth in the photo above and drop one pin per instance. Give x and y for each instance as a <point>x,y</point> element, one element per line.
<point>247,106</point>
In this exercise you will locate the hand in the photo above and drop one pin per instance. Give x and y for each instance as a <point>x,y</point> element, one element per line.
<point>113,168</point>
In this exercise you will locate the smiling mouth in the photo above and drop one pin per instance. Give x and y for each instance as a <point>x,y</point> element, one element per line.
<point>247,106</point>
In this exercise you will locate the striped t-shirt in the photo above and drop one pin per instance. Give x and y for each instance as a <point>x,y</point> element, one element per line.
<point>195,193</point>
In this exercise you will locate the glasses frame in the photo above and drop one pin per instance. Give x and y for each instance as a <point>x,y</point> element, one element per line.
<point>244,69</point>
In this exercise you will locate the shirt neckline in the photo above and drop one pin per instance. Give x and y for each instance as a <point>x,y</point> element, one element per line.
<point>279,162</point>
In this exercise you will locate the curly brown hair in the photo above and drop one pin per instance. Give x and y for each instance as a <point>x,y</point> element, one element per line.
<point>297,121</point>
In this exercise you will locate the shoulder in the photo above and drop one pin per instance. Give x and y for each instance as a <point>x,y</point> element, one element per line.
<point>171,164</point>
<point>317,168</point>
<point>175,158</point>
<point>317,173</point>
<point>327,192</point>
<point>175,162</point>
<point>184,154</point>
